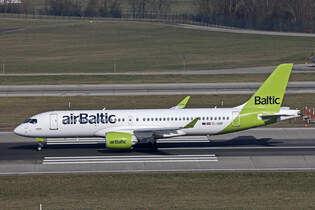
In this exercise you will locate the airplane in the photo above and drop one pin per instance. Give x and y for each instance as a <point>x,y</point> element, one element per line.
<point>124,129</point>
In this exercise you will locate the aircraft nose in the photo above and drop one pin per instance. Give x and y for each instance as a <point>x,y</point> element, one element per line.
<point>18,130</point>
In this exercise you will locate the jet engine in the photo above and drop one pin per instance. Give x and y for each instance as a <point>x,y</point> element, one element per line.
<point>120,140</point>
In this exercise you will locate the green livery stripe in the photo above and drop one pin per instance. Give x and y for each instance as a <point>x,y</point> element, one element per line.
<point>266,100</point>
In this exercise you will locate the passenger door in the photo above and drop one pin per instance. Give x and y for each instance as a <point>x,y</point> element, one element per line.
<point>53,121</point>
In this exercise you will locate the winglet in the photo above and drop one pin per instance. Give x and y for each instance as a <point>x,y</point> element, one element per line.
<point>182,103</point>
<point>192,123</point>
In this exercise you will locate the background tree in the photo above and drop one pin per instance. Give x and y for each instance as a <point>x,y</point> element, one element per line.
<point>92,8</point>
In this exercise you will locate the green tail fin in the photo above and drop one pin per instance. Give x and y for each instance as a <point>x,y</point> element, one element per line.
<point>269,96</point>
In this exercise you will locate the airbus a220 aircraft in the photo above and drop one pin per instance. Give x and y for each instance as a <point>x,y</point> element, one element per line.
<point>123,129</point>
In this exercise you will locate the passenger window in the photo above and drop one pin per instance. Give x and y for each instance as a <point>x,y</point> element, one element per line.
<point>168,119</point>
<point>160,119</point>
<point>143,119</point>
<point>223,118</point>
<point>219,118</point>
<point>207,118</point>
<point>215,118</point>
<point>171,118</point>
<point>148,119</point>
<point>164,119</point>
<point>156,119</point>
<point>211,118</point>
<point>227,118</point>
<point>152,119</point>
<point>203,118</point>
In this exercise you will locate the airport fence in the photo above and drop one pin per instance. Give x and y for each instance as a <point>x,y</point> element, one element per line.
<point>179,18</point>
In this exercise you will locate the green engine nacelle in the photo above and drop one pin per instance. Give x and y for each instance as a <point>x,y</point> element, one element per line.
<point>119,140</point>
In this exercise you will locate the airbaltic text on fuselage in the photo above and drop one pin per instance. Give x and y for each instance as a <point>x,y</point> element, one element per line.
<point>266,100</point>
<point>84,118</point>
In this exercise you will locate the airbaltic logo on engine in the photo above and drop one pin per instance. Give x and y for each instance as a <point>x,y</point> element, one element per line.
<point>266,100</point>
<point>121,141</point>
<point>84,118</point>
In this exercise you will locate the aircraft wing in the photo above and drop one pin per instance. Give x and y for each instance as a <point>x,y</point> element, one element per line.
<point>182,103</point>
<point>139,132</point>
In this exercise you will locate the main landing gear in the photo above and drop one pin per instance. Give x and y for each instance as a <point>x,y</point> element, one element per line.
<point>209,138</point>
<point>153,146</point>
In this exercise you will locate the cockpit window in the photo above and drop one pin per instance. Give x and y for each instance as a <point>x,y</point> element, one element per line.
<point>32,121</point>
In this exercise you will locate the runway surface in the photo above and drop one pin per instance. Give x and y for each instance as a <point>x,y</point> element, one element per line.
<point>257,149</point>
<point>145,89</point>
<point>298,68</point>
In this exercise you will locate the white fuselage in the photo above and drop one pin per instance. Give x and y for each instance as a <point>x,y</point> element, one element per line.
<point>91,123</point>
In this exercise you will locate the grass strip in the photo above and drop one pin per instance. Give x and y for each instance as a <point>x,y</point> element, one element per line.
<point>104,46</point>
<point>240,190</point>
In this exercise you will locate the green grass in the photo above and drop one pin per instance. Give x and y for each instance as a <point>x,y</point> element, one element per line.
<point>14,110</point>
<point>13,22</point>
<point>246,190</point>
<point>132,46</point>
<point>136,79</point>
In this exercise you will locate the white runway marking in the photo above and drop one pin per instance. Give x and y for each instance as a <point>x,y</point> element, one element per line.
<point>130,159</point>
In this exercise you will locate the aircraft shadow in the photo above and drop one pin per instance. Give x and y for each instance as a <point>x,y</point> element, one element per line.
<point>237,142</point>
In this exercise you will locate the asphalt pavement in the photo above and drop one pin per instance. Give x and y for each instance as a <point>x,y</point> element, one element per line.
<point>256,149</point>
<point>145,89</point>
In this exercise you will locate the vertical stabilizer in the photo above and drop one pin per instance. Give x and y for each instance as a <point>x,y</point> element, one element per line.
<point>270,95</point>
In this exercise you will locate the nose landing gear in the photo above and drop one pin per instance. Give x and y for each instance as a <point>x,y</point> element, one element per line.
<point>40,143</point>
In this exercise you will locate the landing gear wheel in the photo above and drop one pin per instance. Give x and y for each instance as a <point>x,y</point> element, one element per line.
<point>40,146</point>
